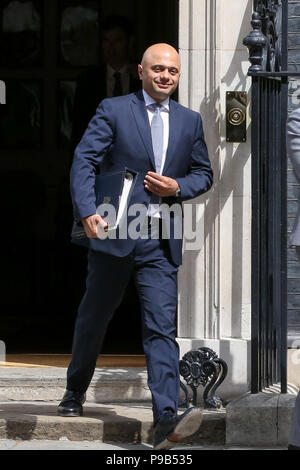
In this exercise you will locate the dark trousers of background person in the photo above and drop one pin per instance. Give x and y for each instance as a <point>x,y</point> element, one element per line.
<point>156,279</point>
<point>294,438</point>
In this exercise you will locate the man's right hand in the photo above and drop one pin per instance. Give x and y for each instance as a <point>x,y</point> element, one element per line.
<point>90,224</point>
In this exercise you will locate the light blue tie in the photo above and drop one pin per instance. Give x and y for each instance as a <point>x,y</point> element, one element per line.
<point>157,133</point>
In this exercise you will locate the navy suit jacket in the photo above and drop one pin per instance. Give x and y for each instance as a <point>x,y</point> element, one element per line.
<point>119,136</point>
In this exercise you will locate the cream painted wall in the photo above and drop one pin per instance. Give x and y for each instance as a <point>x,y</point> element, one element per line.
<point>215,282</point>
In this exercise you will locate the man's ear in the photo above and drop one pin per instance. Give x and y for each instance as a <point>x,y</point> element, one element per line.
<point>140,71</point>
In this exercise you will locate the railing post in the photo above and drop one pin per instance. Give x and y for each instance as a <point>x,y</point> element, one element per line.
<point>255,240</point>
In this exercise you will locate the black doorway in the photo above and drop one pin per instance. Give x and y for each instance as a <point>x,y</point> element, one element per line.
<point>45,47</point>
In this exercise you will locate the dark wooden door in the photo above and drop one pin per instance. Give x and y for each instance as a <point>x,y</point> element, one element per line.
<point>45,46</point>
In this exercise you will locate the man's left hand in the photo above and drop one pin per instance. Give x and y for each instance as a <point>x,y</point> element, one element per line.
<point>161,185</point>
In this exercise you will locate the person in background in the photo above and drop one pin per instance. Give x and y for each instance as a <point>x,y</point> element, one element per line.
<point>293,152</point>
<point>116,76</point>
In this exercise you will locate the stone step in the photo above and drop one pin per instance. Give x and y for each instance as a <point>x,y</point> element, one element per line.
<point>109,384</point>
<point>129,423</point>
<point>118,407</point>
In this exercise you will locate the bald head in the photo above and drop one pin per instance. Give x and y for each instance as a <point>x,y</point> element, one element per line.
<point>160,71</point>
<point>160,50</point>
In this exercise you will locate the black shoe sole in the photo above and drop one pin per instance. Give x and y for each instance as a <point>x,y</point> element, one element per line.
<point>187,426</point>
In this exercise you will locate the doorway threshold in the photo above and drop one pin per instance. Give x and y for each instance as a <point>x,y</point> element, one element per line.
<point>63,360</point>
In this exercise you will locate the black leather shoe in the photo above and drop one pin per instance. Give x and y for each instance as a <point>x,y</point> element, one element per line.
<point>71,404</point>
<point>170,430</point>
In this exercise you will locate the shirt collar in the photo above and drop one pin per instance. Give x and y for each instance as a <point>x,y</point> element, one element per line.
<point>148,100</point>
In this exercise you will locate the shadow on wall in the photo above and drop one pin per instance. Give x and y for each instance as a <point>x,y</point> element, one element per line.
<point>228,185</point>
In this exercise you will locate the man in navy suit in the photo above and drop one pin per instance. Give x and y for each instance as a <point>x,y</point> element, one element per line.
<point>164,143</point>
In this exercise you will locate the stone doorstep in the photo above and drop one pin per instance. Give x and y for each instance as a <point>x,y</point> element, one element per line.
<point>109,384</point>
<point>118,408</point>
<point>127,423</point>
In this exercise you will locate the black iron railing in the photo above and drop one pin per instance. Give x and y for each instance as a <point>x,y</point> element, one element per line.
<point>267,45</point>
<point>269,229</point>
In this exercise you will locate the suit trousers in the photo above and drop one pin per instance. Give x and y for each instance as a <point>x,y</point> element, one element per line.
<point>155,277</point>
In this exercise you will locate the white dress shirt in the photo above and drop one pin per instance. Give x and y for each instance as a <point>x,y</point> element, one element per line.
<point>165,117</point>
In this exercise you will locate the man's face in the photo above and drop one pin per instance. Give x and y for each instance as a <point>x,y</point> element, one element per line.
<point>115,47</point>
<point>160,74</point>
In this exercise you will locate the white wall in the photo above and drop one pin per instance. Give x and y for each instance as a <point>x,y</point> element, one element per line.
<point>215,282</point>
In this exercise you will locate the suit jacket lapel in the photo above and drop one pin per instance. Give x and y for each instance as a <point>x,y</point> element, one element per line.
<point>142,121</point>
<point>174,134</point>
